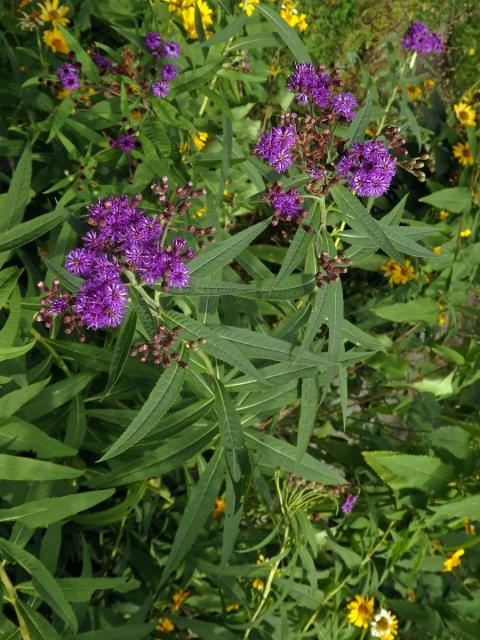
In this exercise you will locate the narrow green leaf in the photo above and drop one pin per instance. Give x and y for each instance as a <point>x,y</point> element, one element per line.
<point>454,199</point>
<point>356,130</point>
<point>196,513</point>
<point>38,627</point>
<point>308,412</point>
<point>9,353</point>
<point>315,320</point>
<point>230,30</point>
<point>47,588</point>
<point>122,349</point>
<point>27,231</point>
<point>13,205</point>
<point>41,513</point>
<point>16,468</point>
<point>286,33</point>
<point>17,435</point>
<point>233,442</point>
<point>163,395</point>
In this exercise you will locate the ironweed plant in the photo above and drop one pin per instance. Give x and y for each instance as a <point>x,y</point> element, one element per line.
<point>238,327</point>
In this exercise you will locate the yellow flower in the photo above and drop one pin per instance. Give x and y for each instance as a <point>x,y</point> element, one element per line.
<point>200,139</point>
<point>442,319</point>
<point>463,153</point>
<point>454,560</point>
<point>51,12</point>
<point>30,21</point>
<point>429,83</point>
<point>165,625</point>
<point>443,215</point>
<point>62,94</point>
<point>465,233</point>
<point>437,249</point>
<point>259,584</point>
<point>371,132</point>
<point>291,16</point>
<point>360,611</point>
<point>136,115</point>
<point>188,17</point>
<point>413,92</point>
<point>384,625</point>
<point>232,607</point>
<point>219,509</point>
<point>465,114</point>
<point>179,598</point>
<point>199,213</point>
<point>249,6</point>
<point>183,148</point>
<point>397,273</point>
<point>274,69</point>
<point>471,51</point>
<point>469,527</point>
<point>54,39</point>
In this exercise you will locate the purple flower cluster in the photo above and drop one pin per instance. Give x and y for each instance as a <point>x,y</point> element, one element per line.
<point>68,75</point>
<point>368,167</point>
<point>124,238</point>
<point>419,39</point>
<point>276,146</point>
<point>104,64</point>
<point>349,502</point>
<point>126,142</point>
<point>171,49</point>
<point>311,83</point>
<point>287,205</point>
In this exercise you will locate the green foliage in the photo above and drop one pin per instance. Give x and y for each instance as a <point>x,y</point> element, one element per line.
<point>207,495</point>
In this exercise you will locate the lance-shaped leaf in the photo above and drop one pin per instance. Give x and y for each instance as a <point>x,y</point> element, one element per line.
<point>27,231</point>
<point>46,586</point>
<point>356,130</point>
<point>233,442</point>
<point>17,468</point>
<point>163,395</point>
<point>286,33</point>
<point>196,513</point>
<point>122,349</point>
<point>16,199</point>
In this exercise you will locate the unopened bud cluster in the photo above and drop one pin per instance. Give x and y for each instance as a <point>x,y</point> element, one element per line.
<point>330,269</point>
<point>161,348</point>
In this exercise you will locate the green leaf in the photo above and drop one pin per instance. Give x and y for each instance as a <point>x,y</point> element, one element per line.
<point>38,627</point>
<point>310,400</point>
<point>17,435</point>
<point>278,453</point>
<point>82,589</point>
<point>55,395</point>
<point>121,351</point>
<point>45,585</point>
<point>127,631</point>
<point>82,56</point>
<point>464,508</point>
<point>11,402</point>
<point>16,468</point>
<point>27,231</point>
<point>13,205</point>
<point>356,130</point>
<point>9,353</point>
<point>233,442</point>
<point>41,513</point>
<point>215,345</point>
<point>286,33</point>
<point>401,471</point>
<point>316,318</point>
<point>289,288</point>
<point>222,253</point>
<point>352,208</point>
<point>161,398</point>
<point>425,310</point>
<point>334,309</point>
<point>175,452</point>
<point>199,508</point>
<point>454,199</point>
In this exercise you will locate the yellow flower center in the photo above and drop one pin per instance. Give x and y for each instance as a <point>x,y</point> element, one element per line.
<point>383,624</point>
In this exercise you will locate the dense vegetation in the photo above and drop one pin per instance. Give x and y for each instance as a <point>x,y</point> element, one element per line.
<point>239,310</point>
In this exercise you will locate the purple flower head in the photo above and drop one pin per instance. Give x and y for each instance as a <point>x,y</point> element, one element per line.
<point>160,88</point>
<point>349,502</point>
<point>344,104</point>
<point>68,75</point>
<point>58,305</point>
<point>171,49</point>
<point>169,72</point>
<point>276,146</point>
<point>103,63</point>
<point>287,204</point>
<point>368,167</point>
<point>126,143</point>
<point>153,40</point>
<point>419,39</point>
<point>79,262</point>
<point>310,83</point>
<point>101,304</point>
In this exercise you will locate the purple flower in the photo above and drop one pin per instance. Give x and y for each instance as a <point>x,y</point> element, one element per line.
<point>276,146</point>
<point>368,167</point>
<point>126,143</point>
<point>343,104</point>
<point>160,88</point>
<point>153,40</point>
<point>310,83</point>
<point>287,205</point>
<point>169,72</point>
<point>79,262</point>
<point>101,304</point>
<point>418,38</point>
<point>171,49</point>
<point>68,75</point>
<point>103,63</point>
<point>349,502</point>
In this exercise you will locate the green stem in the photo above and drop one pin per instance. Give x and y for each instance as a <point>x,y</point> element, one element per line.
<point>394,93</point>
<point>58,359</point>
<point>12,593</point>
